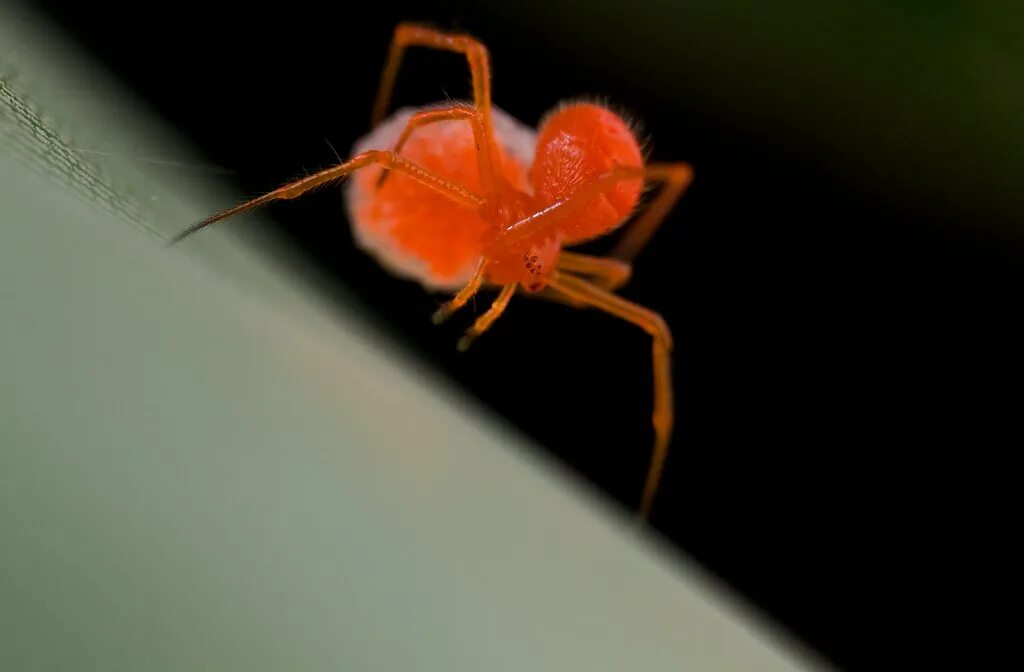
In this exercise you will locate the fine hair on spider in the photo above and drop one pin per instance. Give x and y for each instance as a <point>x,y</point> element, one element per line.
<point>459,196</point>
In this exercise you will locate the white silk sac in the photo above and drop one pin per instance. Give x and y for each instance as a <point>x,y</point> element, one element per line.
<point>372,235</point>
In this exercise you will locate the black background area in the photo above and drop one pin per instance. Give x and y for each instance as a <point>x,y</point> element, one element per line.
<point>841,351</point>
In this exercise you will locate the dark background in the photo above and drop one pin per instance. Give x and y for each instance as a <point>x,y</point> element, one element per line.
<point>842,279</point>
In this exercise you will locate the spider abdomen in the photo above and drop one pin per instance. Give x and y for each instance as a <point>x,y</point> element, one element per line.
<point>577,143</point>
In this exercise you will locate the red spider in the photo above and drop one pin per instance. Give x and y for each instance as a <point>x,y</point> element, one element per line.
<point>457,196</point>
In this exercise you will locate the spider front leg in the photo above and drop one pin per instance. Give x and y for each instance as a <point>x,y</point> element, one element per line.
<point>674,175</point>
<point>389,160</point>
<point>410,35</point>
<point>608,274</point>
<point>485,159</point>
<point>587,294</point>
<point>463,296</point>
<point>484,322</point>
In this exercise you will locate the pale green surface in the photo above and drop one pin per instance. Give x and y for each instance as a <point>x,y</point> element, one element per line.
<point>198,474</point>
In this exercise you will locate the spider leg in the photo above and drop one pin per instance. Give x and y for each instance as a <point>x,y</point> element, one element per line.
<point>485,159</point>
<point>676,178</point>
<point>413,35</point>
<point>463,295</point>
<point>484,322</point>
<point>589,294</point>
<point>609,274</point>
<point>295,189</point>
<point>669,173</point>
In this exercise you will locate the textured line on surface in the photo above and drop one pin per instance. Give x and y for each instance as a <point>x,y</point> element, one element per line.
<point>25,133</point>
